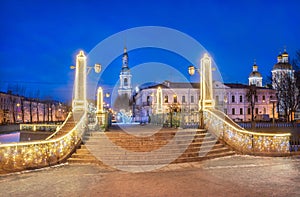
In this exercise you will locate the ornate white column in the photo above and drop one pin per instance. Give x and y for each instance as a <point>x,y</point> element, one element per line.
<point>159,108</point>
<point>206,89</point>
<point>100,100</point>
<point>79,101</point>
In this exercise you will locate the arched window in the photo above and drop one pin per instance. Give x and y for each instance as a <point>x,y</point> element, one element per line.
<point>125,82</point>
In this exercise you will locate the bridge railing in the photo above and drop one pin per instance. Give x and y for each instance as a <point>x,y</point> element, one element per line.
<point>35,154</point>
<point>245,141</point>
<point>39,127</point>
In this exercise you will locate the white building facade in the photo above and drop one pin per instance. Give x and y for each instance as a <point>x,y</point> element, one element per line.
<point>183,98</point>
<point>19,109</point>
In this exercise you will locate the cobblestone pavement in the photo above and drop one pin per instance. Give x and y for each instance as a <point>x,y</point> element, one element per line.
<point>229,176</point>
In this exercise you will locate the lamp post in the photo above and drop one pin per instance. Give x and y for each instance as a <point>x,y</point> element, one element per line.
<point>206,97</point>
<point>273,101</point>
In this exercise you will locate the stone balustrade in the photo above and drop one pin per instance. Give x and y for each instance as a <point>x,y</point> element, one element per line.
<point>35,154</point>
<point>39,127</point>
<point>245,141</point>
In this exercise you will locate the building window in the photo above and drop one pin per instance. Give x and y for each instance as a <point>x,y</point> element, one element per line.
<point>192,99</point>
<point>225,110</point>
<point>241,111</point>
<point>166,99</point>
<point>263,98</point>
<point>256,110</point>
<point>256,98</point>
<point>125,82</point>
<point>183,99</point>
<point>265,111</point>
<point>241,99</point>
<point>175,98</point>
<point>148,100</point>
<point>232,99</point>
<point>249,111</point>
<point>233,111</point>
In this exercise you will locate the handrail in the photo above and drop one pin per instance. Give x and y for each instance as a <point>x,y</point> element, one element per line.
<point>242,130</point>
<point>53,134</point>
<point>34,154</point>
<point>35,142</point>
<point>246,141</point>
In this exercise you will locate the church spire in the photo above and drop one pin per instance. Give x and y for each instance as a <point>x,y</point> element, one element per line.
<point>125,58</point>
<point>255,67</point>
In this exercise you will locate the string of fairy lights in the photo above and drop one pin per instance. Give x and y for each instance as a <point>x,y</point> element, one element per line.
<point>245,141</point>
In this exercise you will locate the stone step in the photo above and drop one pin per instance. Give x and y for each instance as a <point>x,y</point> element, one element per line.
<point>83,160</point>
<point>151,161</point>
<point>208,156</point>
<point>129,150</point>
<point>96,139</point>
<point>190,151</point>
<point>145,134</point>
<point>179,144</point>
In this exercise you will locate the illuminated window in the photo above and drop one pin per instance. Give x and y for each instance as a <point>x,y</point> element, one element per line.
<point>166,99</point>
<point>175,98</point>
<point>263,98</point>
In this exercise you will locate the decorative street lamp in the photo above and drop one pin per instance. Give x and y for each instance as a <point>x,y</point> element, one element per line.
<point>273,101</point>
<point>206,97</point>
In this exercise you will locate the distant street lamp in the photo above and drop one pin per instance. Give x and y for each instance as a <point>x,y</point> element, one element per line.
<point>273,101</point>
<point>192,70</point>
<point>206,93</point>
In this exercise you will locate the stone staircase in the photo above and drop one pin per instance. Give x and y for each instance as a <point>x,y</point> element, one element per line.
<point>166,146</point>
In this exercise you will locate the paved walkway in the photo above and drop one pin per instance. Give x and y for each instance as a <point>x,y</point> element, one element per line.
<point>230,176</point>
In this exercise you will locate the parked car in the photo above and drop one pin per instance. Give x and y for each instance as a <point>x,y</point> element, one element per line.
<point>262,117</point>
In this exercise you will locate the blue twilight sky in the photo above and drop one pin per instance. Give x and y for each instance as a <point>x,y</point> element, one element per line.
<point>39,39</point>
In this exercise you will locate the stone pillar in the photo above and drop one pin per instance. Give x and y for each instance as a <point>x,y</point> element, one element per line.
<point>159,108</point>
<point>100,100</point>
<point>79,101</point>
<point>100,113</point>
<point>206,88</point>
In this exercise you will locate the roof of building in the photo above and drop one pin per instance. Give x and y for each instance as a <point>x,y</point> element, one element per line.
<point>125,69</point>
<point>255,74</point>
<point>282,66</point>
<point>242,86</point>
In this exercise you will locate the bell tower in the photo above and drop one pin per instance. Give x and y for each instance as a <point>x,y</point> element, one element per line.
<point>125,76</point>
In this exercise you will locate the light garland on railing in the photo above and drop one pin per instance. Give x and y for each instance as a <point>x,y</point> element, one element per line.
<point>24,155</point>
<point>246,141</point>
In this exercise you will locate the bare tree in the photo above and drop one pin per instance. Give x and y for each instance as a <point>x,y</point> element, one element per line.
<point>122,102</point>
<point>37,99</point>
<point>252,98</point>
<point>287,94</point>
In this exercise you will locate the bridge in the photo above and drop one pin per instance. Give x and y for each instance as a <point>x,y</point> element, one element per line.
<point>218,136</point>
